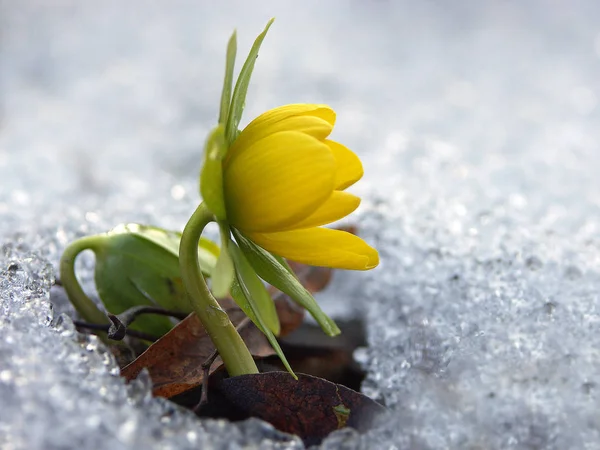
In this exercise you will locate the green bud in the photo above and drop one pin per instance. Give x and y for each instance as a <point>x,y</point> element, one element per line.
<point>139,265</point>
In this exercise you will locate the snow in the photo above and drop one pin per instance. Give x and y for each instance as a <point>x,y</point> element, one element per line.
<point>478,126</point>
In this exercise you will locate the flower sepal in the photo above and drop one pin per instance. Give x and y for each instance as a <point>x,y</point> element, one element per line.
<point>238,98</point>
<point>223,273</point>
<point>211,176</point>
<point>275,271</point>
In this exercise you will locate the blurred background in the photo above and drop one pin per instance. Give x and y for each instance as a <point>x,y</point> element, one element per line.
<point>479,127</point>
<point>89,90</point>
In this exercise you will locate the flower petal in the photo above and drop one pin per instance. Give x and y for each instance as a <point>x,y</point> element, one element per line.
<point>315,120</point>
<point>298,109</point>
<point>349,167</point>
<point>338,206</point>
<point>320,247</point>
<point>278,181</point>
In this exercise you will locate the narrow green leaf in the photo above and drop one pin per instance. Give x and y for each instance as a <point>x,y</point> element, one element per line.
<point>244,291</point>
<point>238,100</point>
<point>240,299</point>
<point>211,177</point>
<point>284,263</point>
<point>280,275</point>
<point>228,80</point>
<point>224,271</point>
<point>258,296</point>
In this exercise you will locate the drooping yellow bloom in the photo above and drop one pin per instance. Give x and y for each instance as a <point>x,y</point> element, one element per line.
<point>283,179</point>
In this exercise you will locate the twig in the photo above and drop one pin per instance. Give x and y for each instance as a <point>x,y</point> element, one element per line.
<point>105,328</point>
<point>121,322</point>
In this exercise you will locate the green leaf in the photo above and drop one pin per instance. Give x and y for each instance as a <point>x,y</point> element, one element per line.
<point>238,100</point>
<point>224,271</point>
<point>211,177</point>
<point>139,265</point>
<point>275,271</point>
<point>248,291</point>
<point>132,271</point>
<point>228,80</point>
<point>208,251</point>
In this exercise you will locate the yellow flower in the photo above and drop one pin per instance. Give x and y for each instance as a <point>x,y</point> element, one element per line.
<point>283,179</point>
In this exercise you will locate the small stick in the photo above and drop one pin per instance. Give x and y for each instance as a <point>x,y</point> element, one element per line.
<point>121,321</point>
<point>105,328</point>
<point>117,329</point>
<point>206,369</point>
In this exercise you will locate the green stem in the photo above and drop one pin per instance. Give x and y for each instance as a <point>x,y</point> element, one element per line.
<point>227,341</point>
<point>86,308</point>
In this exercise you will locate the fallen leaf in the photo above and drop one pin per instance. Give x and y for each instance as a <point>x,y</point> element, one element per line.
<point>175,360</point>
<point>310,407</point>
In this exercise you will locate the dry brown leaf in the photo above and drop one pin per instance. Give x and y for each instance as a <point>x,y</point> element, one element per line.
<point>309,407</point>
<point>175,360</point>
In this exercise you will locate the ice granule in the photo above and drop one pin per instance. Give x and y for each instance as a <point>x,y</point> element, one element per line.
<point>483,324</point>
<point>61,389</point>
<point>478,126</point>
